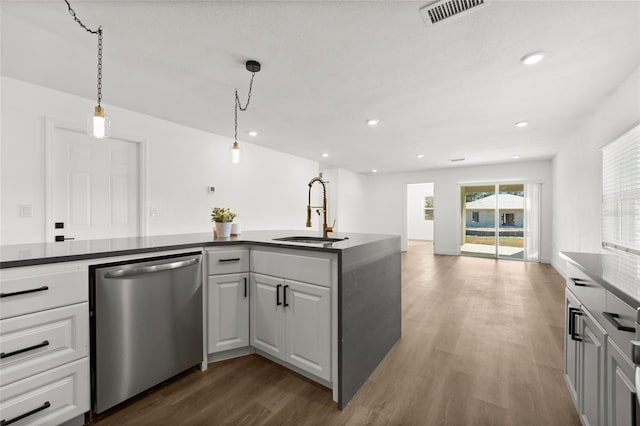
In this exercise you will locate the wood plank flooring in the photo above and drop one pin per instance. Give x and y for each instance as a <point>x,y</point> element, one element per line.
<point>482,344</point>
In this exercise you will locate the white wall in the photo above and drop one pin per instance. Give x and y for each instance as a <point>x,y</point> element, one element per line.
<point>347,198</point>
<point>417,227</point>
<point>577,172</point>
<point>387,195</point>
<point>268,189</point>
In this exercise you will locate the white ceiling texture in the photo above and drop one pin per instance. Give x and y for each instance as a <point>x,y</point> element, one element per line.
<point>453,90</point>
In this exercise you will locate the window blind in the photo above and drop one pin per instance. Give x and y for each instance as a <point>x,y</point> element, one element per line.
<point>621,192</point>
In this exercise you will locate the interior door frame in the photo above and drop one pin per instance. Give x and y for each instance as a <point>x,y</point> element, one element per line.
<point>51,125</point>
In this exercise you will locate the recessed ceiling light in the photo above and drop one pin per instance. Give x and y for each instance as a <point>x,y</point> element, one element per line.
<point>253,133</point>
<point>419,155</point>
<point>325,155</point>
<point>515,157</point>
<point>522,124</point>
<point>532,58</point>
<point>374,171</point>
<point>454,160</point>
<point>373,122</point>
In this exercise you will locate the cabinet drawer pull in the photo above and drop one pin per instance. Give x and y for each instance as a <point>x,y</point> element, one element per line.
<point>579,282</point>
<point>278,302</point>
<point>235,259</point>
<point>613,319</point>
<point>19,351</point>
<point>245,287</point>
<point>27,414</point>
<point>31,290</point>
<point>573,312</point>
<point>284,293</point>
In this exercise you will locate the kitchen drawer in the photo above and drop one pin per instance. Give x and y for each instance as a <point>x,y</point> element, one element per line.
<point>57,336</point>
<point>39,289</point>
<point>59,395</point>
<point>591,294</point>
<point>625,315</point>
<point>227,261</point>
<point>300,268</point>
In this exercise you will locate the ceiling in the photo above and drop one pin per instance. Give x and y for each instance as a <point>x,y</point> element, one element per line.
<point>453,90</point>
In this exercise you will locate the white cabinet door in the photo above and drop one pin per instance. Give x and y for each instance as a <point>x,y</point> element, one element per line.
<point>308,327</point>
<point>620,388</point>
<point>228,312</point>
<point>267,314</point>
<point>591,371</point>
<point>571,345</point>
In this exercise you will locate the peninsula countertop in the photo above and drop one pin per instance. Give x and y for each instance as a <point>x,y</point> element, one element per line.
<point>17,255</point>
<point>617,272</point>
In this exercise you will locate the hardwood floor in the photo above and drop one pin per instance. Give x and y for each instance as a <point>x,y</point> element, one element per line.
<point>482,344</point>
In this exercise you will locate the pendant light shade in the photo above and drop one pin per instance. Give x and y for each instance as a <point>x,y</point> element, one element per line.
<point>99,124</point>
<point>235,153</point>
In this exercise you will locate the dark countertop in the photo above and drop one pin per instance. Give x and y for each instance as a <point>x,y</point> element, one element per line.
<point>616,272</point>
<point>17,255</point>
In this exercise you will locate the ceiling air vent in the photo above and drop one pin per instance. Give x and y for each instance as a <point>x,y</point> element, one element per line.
<point>444,9</point>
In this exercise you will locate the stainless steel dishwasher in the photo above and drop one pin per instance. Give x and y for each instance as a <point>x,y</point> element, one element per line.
<point>146,325</point>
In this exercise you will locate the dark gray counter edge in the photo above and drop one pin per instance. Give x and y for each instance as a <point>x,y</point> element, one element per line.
<point>113,253</point>
<point>369,311</point>
<point>597,277</point>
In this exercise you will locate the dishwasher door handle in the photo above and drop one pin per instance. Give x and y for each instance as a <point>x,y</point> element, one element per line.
<point>121,273</point>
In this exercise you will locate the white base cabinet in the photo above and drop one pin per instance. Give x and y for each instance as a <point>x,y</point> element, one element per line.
<point>228,303</point>
<point>291,321</point>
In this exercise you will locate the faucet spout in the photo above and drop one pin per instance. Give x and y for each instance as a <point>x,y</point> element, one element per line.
<point>325,227</point>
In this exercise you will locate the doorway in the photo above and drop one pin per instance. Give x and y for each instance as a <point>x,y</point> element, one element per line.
<point>493,221</point>
<point>94,187</point>
<point>420,212</point>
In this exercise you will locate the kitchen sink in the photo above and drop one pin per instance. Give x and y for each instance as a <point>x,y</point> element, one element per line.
<point>306,239</point>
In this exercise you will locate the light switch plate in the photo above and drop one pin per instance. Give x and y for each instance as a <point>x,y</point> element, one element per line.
<point>26,210</point>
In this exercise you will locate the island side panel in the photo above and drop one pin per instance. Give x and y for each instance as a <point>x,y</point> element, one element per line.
<point>369,307</point>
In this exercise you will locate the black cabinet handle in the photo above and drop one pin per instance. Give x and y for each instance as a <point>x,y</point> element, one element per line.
<point>573,312</point>
<point>32,290</point>
<point>19,351</point>
<point>27,414</point>
<point>579,282</point>
<point>235,259</point>
<point>278,302</point>
<point>284,292</point>
<point>245,287</point>
<point>613,319</point>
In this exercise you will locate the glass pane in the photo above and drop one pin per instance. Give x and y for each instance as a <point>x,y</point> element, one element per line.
<point>478,221</point>
<point>511,221</point>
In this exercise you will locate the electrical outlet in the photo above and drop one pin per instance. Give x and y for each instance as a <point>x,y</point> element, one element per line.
<point>153,211</point>
<point>26,210</point>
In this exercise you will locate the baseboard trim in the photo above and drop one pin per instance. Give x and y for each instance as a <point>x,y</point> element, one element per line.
<point>232,353</point>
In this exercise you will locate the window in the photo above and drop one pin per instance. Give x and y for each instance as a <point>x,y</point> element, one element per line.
<point>475,216</point>
<point>508,219</point>
<point>621,192</point>
<point>428,208</point>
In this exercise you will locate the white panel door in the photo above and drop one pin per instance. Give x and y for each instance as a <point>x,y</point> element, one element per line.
<point>94,188</point>
<point>308,327</point>
<point>228,312</point>
<point>267,314</point>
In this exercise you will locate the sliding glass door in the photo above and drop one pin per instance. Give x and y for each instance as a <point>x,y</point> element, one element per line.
<point>493,221</point>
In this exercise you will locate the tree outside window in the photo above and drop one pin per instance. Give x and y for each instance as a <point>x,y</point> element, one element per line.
<point>428,208</point>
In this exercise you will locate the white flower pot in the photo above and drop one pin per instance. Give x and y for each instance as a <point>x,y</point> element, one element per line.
<point>223,229</point>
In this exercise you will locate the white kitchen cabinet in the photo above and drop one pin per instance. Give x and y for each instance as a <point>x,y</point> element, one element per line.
<point>591,370</point>
<point>44,341</point>
<point>267,315</point>
<point>620,387</point>
<point>228,303</point>
<point>308,327</point>
<point>571,345</point>
<point>227,299</point>
<point>291,321</point>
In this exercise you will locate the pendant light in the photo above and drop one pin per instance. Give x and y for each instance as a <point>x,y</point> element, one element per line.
<point>98,124</point>
<point>253,67</point>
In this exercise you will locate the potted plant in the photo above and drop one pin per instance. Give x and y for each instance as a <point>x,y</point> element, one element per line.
<point>222,218</point>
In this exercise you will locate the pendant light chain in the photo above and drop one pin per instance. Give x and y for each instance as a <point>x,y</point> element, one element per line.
<point>238,105</point>
<point>98,32</point>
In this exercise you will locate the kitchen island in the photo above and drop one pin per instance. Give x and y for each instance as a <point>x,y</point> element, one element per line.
<point>367,287</point>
